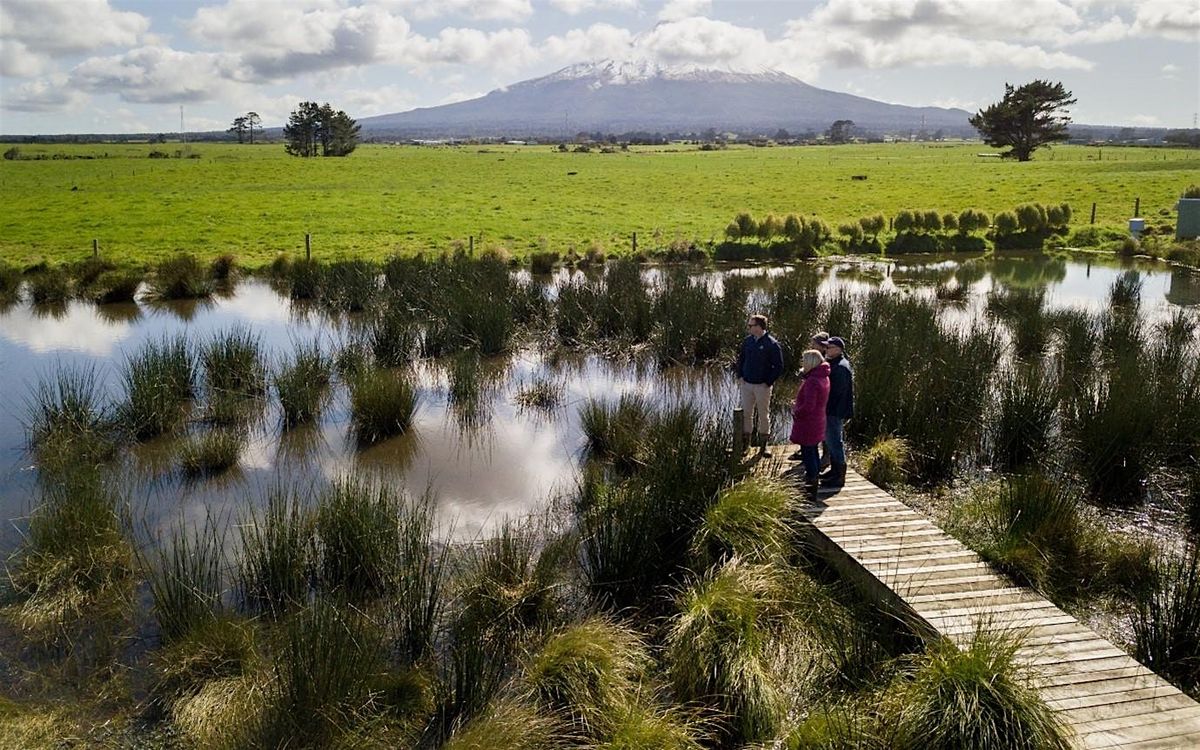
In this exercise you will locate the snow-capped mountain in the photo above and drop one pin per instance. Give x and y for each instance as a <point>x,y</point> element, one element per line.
<point>640,95</point>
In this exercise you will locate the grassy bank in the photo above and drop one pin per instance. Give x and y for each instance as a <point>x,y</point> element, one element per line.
<point>255,201</point>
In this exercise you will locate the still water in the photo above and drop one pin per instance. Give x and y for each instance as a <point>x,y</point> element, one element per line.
<point>483,464</point>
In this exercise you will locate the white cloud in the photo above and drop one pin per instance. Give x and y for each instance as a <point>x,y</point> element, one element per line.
<point>575,7</point>
<point>598,41</point>
<point>50,94</point>
<point>1145,120</point>
<point>460,96</point>
<point>1171,71</point>
<point>159,75</point>
<point>1173,20</point>
<point>376,101</point>
<point>505,49</point>
<point>676,10</point>
<point>32,32</point>
<point>478,10</point>
<point>709,42</point>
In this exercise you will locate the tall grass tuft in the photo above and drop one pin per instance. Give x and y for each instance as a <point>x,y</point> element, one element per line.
<point>302,382</point>
<point>588,671</point>
<point>886,462</point>
<point>327,662</point>
<point>210,453</point>
<point>749,520</point>
<point>509,724</point>
<point>382,405</point>
<point>1023,309</point>
<point>358,536</point>
<point>306,279</point>
<point>717,648</point>
<point>116,286</point>
<point>1166,621</point>
<point>209,668</point>
<point>274,569</point>
<point>422,574</point>
<point>349,285</point>
<point>223,267</point>
<point>187,580</point>
<point>616,431</point>
<point>10,283</point>
<point>233,363</point>
<point>68,422</point>
<point>50,287</point>
<point>159,380</point>
<point>978,697</point>
<point>181,276</point>
<point>73,573</point>
<point>1025,419</point>
<point>688,328</point>
<point>639,726</point>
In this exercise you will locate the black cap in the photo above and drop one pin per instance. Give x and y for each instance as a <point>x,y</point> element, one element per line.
<point>837,341</point>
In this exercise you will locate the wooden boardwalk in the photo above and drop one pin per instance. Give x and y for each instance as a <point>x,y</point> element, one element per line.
<point>905,562</point>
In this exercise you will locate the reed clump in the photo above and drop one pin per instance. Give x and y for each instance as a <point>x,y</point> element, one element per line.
<point>116,286</point>
<point>181,276</point>
<point>1166,620</point>
<point>382,405</point>
<point>210,453</point>
<point>275,567</point>
<point>159,380</point>
<point>68,421</point>
<point>233,363</point>
<point>749,520</point>
<point>302,384</point>
<point>886,462</point>
<point>51,286</point>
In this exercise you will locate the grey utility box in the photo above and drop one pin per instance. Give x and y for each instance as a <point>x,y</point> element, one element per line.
<point>1188,225</point>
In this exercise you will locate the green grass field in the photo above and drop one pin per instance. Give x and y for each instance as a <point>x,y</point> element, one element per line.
<point>255,201</point>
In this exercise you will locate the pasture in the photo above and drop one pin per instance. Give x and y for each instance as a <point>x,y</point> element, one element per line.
<point>255,201</point>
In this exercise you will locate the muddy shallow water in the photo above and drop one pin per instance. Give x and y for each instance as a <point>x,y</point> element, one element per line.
<point>483,464</point>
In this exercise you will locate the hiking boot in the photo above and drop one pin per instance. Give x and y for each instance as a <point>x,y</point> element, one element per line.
<point>797,456</point>
<point>810,489</point>
<point>836,476</point>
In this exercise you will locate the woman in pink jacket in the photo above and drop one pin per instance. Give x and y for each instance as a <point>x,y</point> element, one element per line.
<point>808,415</point>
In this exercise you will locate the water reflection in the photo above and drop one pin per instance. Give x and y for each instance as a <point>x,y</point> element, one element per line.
<point>479,440</point>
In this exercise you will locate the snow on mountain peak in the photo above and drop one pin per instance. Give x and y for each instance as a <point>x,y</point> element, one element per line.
<point>619,72</point>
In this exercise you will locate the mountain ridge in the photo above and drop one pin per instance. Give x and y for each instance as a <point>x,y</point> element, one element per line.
<point>627,96</point>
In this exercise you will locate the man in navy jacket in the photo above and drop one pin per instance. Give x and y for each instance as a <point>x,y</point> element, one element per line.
<point>838,409</point>
<point>759,365</point>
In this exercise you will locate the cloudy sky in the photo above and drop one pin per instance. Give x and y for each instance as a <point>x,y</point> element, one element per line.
<point>128,65</point>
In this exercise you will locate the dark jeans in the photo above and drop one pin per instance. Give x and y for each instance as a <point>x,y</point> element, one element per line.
<point>834,445</point>
<point>812,461</point>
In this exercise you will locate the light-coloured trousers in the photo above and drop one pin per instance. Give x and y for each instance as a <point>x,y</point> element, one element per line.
<point>756,396</point>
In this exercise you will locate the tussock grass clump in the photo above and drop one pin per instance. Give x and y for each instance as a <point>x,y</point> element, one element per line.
<point>349,285</point>
<point>886,462</point>
<point>1037,529</point>
<point>588,671</point>
<point>50,287</point>
<point>542,394</point>
<point>717,648</point>
<point>181,276</point>
<point>222,713</point>
<point>639,726</point>
<point>1025,416</point>
<point>326,663</point>
<point>214,650</point>
<point>233,363</point>
<point>274,570</point>
<point>688,325</point>
<point>305,279</point>
<point>471,389</point>
<point>187,580</point>
<point>302,383</point>
<point>616,431</point>
<point>10,283</point>
<point>358,533</point>
<point>750,520</point>
<point>222,267</point>
<point>542,262</point>
<point>843,724</point>
<point>382,405</point>
<point>977,697</point>
<point>116,286</point>
<point>210,452</point>
<point>510,724</point>
<point>73,574</point>
<point>1023,309</point>
<point>159,380</point>
<point>68,422</point>
<point>1166,622</point>
<point>393,337</point>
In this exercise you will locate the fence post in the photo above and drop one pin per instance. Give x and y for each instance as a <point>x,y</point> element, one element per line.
<point>471,244</point>
<point>307,246</point>
<point>739,444</point>
<point>635,243</point>
<point>1137,207</point>
<point>1093,221</point>
<point>95,248</point>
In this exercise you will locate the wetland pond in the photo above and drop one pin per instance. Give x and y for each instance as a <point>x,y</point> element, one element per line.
<point>484,460</point>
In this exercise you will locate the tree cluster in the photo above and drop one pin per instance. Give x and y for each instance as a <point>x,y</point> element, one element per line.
<point>244,126</point>
<point>318,130</point>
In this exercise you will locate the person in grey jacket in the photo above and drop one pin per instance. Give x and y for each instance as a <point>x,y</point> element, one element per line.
<point>838,409</point>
